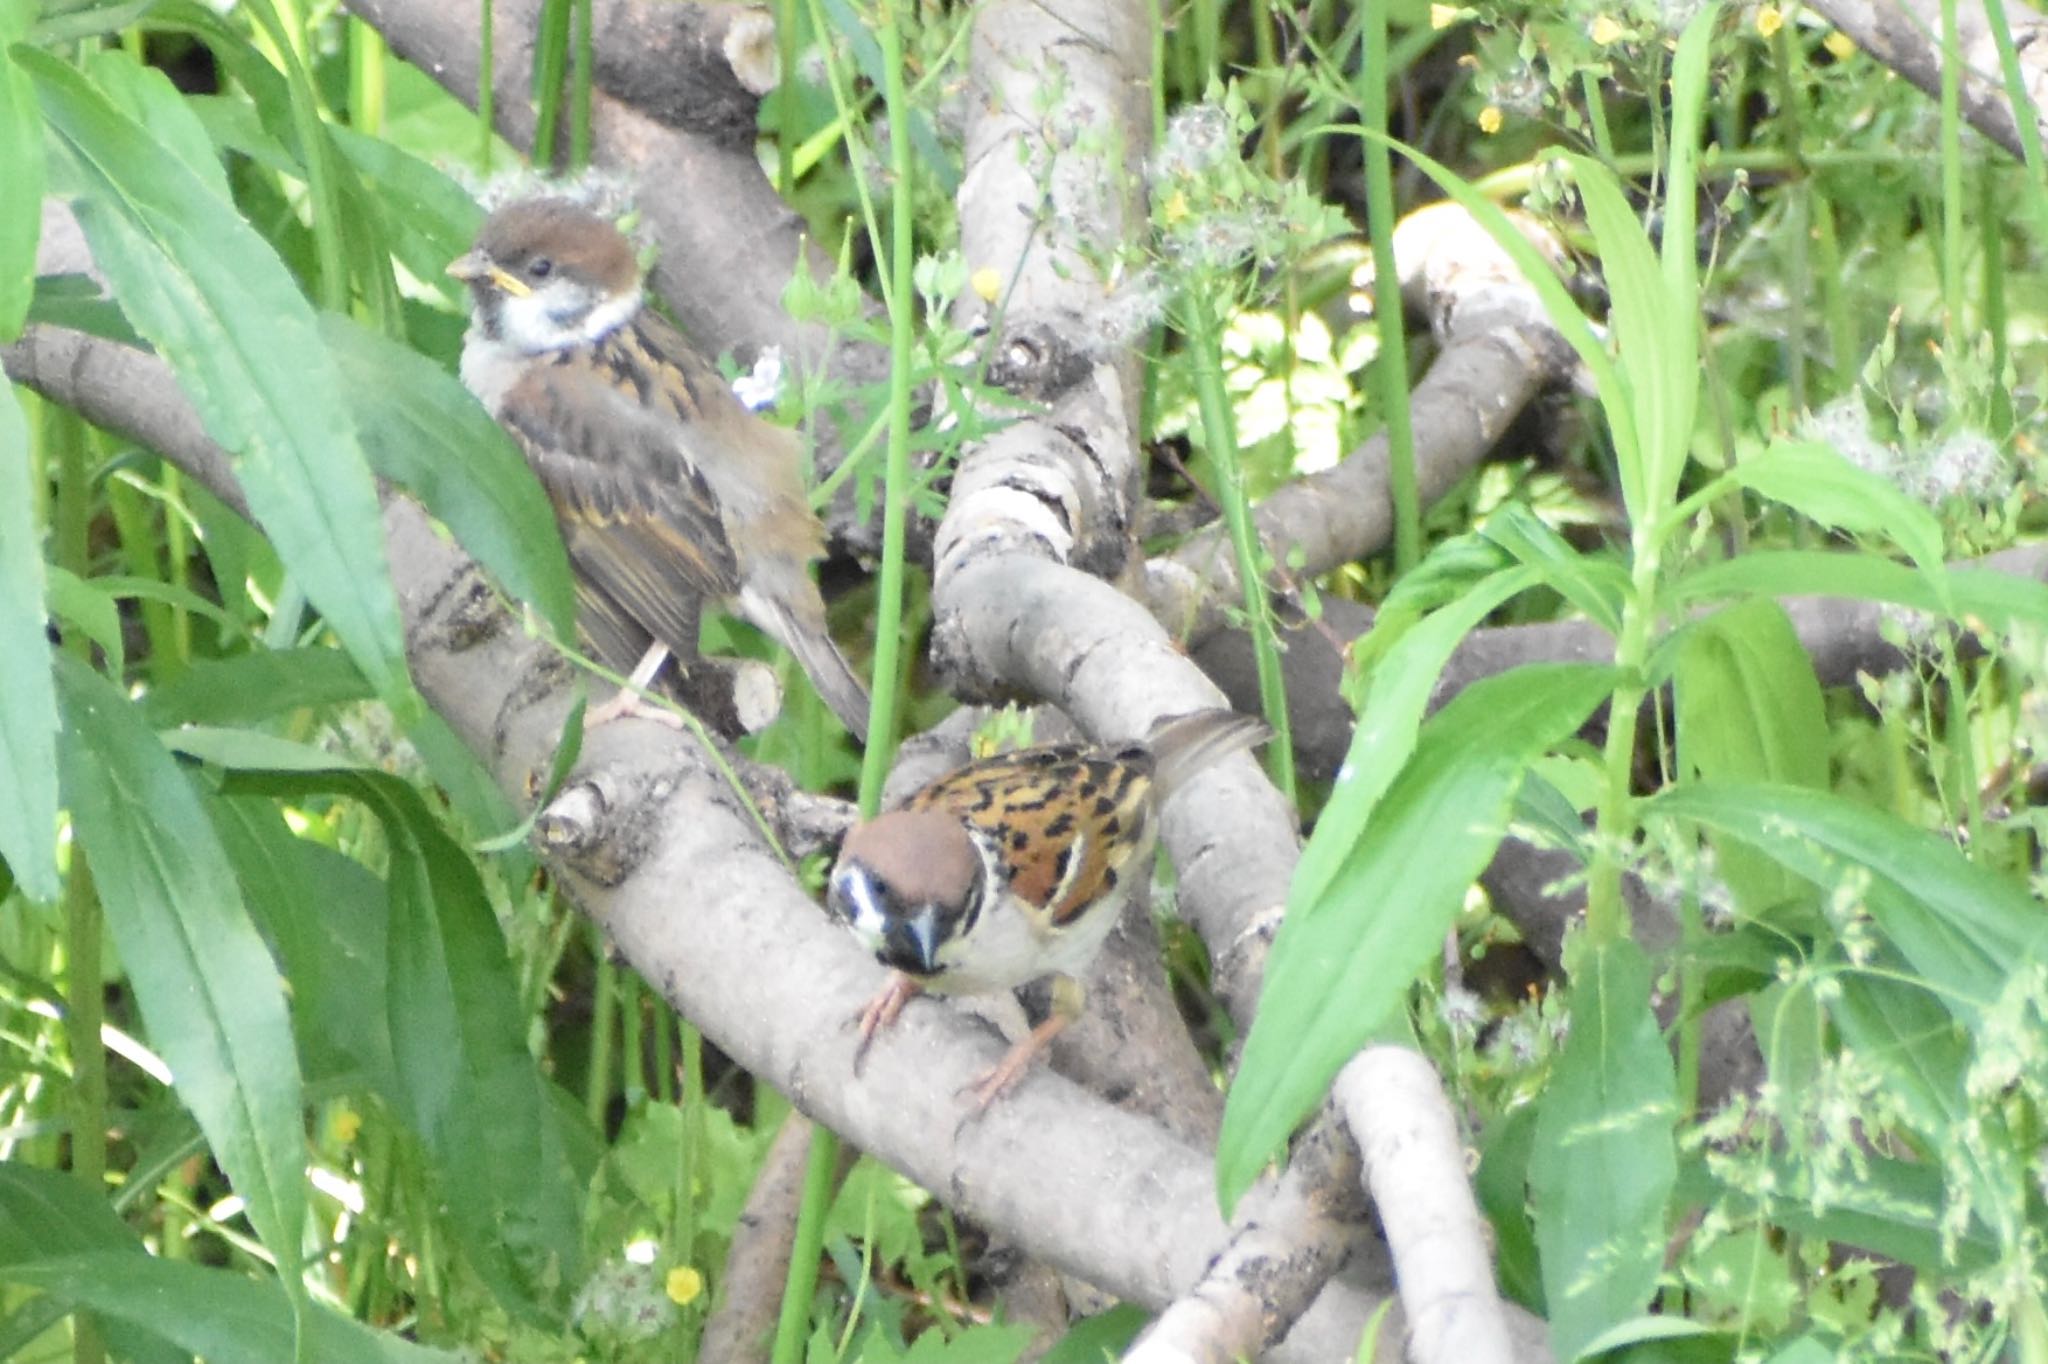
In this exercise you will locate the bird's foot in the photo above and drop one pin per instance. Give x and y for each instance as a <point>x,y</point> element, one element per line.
<point>881,1011</point>
<point>1015,1063</point>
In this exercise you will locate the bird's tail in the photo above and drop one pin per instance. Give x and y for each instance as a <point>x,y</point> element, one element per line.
<point>803,633</point>
<point>1183,745</point>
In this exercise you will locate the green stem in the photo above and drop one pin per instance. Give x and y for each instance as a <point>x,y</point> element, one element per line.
<point>785,97</point>
<point>1205,345</point>
<point>1393,357</point>
<point>84,1014</point>
<point>604,1007</point>
<point>486,94</point>
<point>792,1326</point>
<point>1951,176</point>
<point>1607,917</point>
<point>550,65</point>
<point>579,108</point>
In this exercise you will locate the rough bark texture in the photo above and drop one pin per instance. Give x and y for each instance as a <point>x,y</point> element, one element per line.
<point>1907,38</point>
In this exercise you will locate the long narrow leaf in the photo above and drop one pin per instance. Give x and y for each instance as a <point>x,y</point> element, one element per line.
<point>21,207</point>
<point>208,988</point>
<point>1340,970</point>
<point>215,301</point>
<point>28,697</point>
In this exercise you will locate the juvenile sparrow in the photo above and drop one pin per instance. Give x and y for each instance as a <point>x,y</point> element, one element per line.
<point>1014,868</point>
<point>667,489</point>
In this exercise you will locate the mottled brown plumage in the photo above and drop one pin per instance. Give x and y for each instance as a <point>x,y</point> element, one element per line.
<point>1015,868</point>
<point>667,489</point>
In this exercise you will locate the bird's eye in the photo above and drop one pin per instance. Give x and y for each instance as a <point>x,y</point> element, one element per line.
<point>541,268</point>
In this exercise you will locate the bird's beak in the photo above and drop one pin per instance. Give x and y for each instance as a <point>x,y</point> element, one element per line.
<point>924,936</point>
<point>477,266</point>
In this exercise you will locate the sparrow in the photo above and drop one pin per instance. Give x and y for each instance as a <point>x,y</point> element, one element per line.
<point>1014,868</point>
<point>667,489</point>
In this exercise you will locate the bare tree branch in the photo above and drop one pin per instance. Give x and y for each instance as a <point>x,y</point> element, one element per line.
<point>1905,35</point>
<point>1395,1105</point>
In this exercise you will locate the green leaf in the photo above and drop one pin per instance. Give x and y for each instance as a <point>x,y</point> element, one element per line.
<point>464,1079</point>
<point>1750,708</point>
<point>327,916</point>
<point>1343,962</point>
<point>1403,678</point>
<point>214,300</point>
<point>424,432</point>
<point>2000,600</point>
<point>1962,927</point>
<point>28,696</point>
<point>221,1315</point>
<point>44,1213</point>
<point>207,986</point>
<point>1604,1162</point>
<point>147,96</point>
<point>1093,1339</point>
<point>1596,586</point>
<point>1642,316</point>
<point>1814,480</point>
<point>90,609</point>
<point>21,207</point>
<point>256,686</point>
<point>1502,1188</point>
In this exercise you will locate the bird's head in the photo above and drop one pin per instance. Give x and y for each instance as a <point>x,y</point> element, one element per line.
<point>546,274</point>
<point>910,884</point>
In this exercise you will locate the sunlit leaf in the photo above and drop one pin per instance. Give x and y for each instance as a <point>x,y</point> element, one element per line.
<point>212,297</point>
<point>206,984</point>
<point>21,207</point>
<point>1604,1161</point>
<point>1339,971</point>
<point>28,696</point>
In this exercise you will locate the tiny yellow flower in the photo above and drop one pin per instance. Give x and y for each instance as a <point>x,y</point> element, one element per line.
<point>1841,45</point>
<point>1489,119</point>
<point>343,1124</point>
<point>987,282</point>
<point>685,1285</point>
<point>1606,30</point>
<point>1769,19</point>
<point>1442,16</point>
<point>1175,209</point>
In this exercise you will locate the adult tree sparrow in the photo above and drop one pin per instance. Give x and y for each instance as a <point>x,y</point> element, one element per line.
<point>1014,868</point>
<point>667,489</point>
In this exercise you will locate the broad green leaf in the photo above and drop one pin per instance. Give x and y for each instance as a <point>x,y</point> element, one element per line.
<point>1750,709</point>
<point>214,300</point>
<point>431,218</point>
<point>424,432</point>
<point>44,1213</point>
<point>21,207</point>
<point>1339,971</point>
<point>1998,599</point>
<point>1963,928</point>
<point>28,696</point>
<point>327,916</point>
<point>221,1315</point>
<point>1092,1339</point>
<point>1814,480</point>
<point>147,96</point>
<point>1595,585</point>
<point>1907,1033</point>
<point>75,301</point>
<point>1891,1208</point>
<point>207,986</point>
<point>1403,677</point>
<point>464,1079</point>
<point>1604,1161</point>
<point>255,686</point>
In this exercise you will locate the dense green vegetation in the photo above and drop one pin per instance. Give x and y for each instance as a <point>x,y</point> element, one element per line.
<point>284,995</point>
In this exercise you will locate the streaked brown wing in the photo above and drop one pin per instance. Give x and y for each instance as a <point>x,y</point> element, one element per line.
<point>1068,821</point>
<point>641,524</point>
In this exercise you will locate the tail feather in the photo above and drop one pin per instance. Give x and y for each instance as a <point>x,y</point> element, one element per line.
<point>1183,745</point>
<point>803,633</point>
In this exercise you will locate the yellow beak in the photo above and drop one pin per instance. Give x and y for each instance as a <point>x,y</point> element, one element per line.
<point>477,266</point>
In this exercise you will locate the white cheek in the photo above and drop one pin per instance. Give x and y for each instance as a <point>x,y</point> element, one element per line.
<point>867,920</point>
